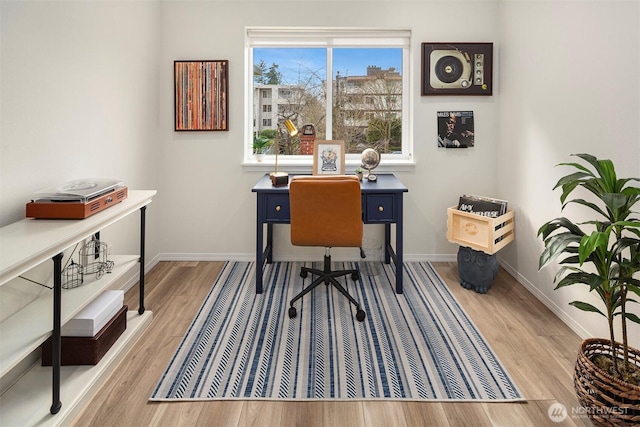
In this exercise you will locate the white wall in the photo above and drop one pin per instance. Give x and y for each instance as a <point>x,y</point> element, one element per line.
<point>570,83</point>
<point>78,84</point>
<point>212,210</point>
<point>86,90</point>
<point>79,100</point>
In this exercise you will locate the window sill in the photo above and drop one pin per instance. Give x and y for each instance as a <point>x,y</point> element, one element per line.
<point>300,166</point>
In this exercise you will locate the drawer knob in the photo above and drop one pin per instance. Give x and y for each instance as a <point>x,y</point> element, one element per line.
<point>278,208</point>
<point>381,208</point>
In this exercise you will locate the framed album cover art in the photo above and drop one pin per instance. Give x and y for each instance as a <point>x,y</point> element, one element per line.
<point>456,129</point>
<point>457,69</point>
<point>201,95</point>
<point>328,157</point>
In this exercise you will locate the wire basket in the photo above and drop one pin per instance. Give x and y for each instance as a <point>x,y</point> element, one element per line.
<point>72,276</point>
<point>93,258</point>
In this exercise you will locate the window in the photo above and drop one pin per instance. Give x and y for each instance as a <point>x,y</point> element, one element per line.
<point>351,84</point>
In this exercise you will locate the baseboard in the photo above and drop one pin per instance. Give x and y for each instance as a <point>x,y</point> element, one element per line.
<point>205,257</point>
<point>251,257</point>
<point>134,278</point>
<point>559,312</point>
<point>431,257</point>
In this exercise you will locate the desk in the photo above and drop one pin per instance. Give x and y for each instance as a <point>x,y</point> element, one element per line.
<point>381,204</point>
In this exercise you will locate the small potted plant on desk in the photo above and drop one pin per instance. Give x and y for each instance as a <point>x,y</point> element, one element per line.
<point>603,254</point>
<point>260,144</point>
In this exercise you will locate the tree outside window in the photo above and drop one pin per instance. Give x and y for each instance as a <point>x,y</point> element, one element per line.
<point>360,100</point>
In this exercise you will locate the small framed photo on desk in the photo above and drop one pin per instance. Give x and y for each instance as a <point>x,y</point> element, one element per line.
<point>328,157</point>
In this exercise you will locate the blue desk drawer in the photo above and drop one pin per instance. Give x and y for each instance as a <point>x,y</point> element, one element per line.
<point>277,207</point>
<point>380,208</point>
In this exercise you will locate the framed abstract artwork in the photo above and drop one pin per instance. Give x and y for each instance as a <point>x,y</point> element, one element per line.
<point>328,157</point>
<point>201,95</point>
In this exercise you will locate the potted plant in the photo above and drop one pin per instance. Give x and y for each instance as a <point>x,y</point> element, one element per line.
<point>359,173</point>
<point>602,254</point>
<point>260,144</point>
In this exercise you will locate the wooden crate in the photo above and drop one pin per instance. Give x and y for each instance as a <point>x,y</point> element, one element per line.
<point>478,232</point>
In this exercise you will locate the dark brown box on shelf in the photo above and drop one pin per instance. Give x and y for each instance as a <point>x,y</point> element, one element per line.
<point>88,350</point>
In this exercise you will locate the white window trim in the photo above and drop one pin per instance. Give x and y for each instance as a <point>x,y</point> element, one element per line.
<point>327,37</point>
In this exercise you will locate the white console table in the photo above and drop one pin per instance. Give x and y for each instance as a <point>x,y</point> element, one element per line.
<point>28,243</point>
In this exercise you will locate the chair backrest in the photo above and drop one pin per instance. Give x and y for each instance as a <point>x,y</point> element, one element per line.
<point>326,211</point>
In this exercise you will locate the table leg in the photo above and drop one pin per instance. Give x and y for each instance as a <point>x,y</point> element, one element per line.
<point>259,260</point>
<point>269,248</point>
<point>143,211</point>
<point>56,337</point>
<point>399,246</point>
<point>387,243</point>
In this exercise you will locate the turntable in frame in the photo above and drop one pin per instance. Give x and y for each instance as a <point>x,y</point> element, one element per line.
<point>76,199</point>
<point>457,68</point>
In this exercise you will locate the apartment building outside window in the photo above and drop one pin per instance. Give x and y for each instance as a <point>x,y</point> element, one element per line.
<point>351,84</point>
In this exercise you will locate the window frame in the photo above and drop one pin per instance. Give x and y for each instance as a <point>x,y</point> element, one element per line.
<point>321,37</point>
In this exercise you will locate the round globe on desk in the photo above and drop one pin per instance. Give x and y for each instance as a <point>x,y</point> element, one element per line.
<point>370,160</point>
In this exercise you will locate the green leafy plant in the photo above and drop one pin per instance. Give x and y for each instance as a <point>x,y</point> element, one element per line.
<point>261,143</point>
<point>603,253</point>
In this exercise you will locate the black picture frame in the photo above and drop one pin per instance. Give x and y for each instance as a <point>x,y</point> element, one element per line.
<point>456,129</point>
<point>201,95</point>
<point>457,69</point>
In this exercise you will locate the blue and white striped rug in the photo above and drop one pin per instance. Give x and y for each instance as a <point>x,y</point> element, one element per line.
<point>416,346</point>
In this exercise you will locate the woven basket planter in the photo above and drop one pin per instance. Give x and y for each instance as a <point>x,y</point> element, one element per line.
<point>608,401</point>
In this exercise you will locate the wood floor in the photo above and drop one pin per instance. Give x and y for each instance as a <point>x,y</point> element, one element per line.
<point>536,348</point>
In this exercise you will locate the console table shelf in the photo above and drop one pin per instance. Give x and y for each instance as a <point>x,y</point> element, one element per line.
<point>27,402</point>
<point>27,244</point>
<point>26,330</point>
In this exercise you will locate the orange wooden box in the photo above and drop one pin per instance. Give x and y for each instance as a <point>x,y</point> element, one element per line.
<point>478,232</point>
<point>75,210</point>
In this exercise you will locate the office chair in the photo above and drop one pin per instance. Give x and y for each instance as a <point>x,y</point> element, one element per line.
<point>326,211</point>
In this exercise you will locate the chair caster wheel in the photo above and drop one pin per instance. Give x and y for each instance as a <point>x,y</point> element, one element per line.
<point>303,274</point>
<point>355,276</point>
<point>293,312</point>
<point>360,315</point>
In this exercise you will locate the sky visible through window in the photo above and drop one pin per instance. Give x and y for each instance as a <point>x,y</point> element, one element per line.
<point>297,63</point>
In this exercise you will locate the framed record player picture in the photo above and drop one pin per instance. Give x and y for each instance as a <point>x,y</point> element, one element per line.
<point>457,69</point>
<point>201,95</point>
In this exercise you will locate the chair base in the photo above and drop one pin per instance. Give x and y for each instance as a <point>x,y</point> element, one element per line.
<point>327,277</point>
